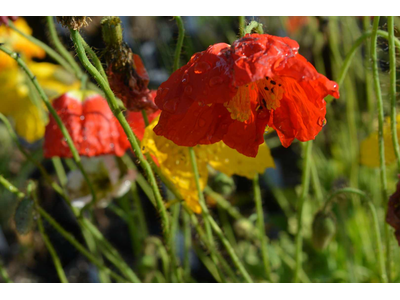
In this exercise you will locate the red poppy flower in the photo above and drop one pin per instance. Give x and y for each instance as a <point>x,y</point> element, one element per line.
<point>393,212</point>
<point>232,93</point>
<point>136,121</point>
<point>4,20</point>
<point>90,123</point>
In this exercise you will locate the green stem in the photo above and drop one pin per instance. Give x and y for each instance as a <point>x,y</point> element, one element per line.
<point>110,252</point>
<point>181,36</point>
<point>10,187</point>
<point>112,102</point>
<point>52,251</point>
<point>261,227</point>
<point>53,54</point>
<point>382,169</point>
<point>62,177</point>
<point>242,24</point>
<point>305,183</point>
<point>174,230</point>
<point>213,224</point>
<point>95,60</point>
<point>60,47</point>
<point>70,238</point>
<point>187,245</point>
<point>60,124</point>
<point>145,118</point>
<point>392,73</point>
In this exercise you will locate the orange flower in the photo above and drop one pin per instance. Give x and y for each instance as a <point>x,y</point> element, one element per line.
<point>90,123</point>
<point>231,93</point>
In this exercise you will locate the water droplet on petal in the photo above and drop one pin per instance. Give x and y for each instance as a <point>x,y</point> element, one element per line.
<point>82,118</point>
<point>185,78</point>
<point>215,81</point>
<point>112,146</point>
<point>321,122</point>
<point>177,162</point>
<point>170,105</point>
<point>188,89</point>
<point>201,67</point>
<point>87,150</point>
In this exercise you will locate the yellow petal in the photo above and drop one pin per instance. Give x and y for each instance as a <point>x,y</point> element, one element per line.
<point>14,41</point>
<point>174,163</point>
<point>369,148</point>
<point>229,161</point>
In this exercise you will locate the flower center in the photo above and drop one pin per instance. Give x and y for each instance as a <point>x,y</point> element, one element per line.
<point>239,105</point>
<point>266,93</point>
<point>271,92</point>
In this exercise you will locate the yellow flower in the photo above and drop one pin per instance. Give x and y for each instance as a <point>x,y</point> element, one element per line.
<point>14,41</point>
<point>370,146</point>
<point>174,162</point>
<point>18,99</point>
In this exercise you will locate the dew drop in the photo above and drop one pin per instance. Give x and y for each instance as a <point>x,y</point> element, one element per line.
<point>87,150</point>
<point>177,162</point>
<point>170,105</point>
<point>185,78</point>
<point>188,89</point>
<point>226,160</point>
<point>321,122</point>
<point>201,67</point>
<point>215,81</point>
<point>82,118</point>
<point>112,146</point>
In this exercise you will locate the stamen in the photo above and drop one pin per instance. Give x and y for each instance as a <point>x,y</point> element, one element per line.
<point>271,92</point>
<point>239,106</point>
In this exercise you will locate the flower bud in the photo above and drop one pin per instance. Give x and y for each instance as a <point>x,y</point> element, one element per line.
<point>24,216</point>
<point>4,20</point>
<point>244,229</point>
<point>75,23</point>
<point>323,229</point>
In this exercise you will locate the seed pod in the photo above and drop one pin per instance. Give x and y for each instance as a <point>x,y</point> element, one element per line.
<point>323,229</point>
<point>24,216</point>
<point>74,23</point>
<point>244,229</point>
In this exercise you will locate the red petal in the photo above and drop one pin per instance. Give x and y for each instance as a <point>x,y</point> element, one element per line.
<point>91,124</point>
<point>199,125</point>
<point>255,55</point>
<point>204,79</point>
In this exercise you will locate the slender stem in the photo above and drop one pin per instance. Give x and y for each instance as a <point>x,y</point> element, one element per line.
<point>392,60</point>
<point>112,102</point>
<point>261,226</point>
<point>382,169</point>
<point>95,60</point>
<point>145,118</point>
<point>70,238</point>
<point>53,54</point>
<point>109,251</point>
<point>242,24</point>
<point>174,230</point>
<point>187,234</point>
<point>62,177</point>
<point>305,183</point>
<point>10,187</point>
<point>214,225</point>
<point>60,124</point>
<point>52,251</point>
<point>225,204</point>
<point>181,36</point>
<point>128,216</point>
<point>139,210</point>
<point>60,47</point>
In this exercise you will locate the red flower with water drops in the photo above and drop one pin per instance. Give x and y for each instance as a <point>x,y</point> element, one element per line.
<point>231,93</point>
<point>136,121</point>
<point>90,123</point>
<point>4,20</point>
